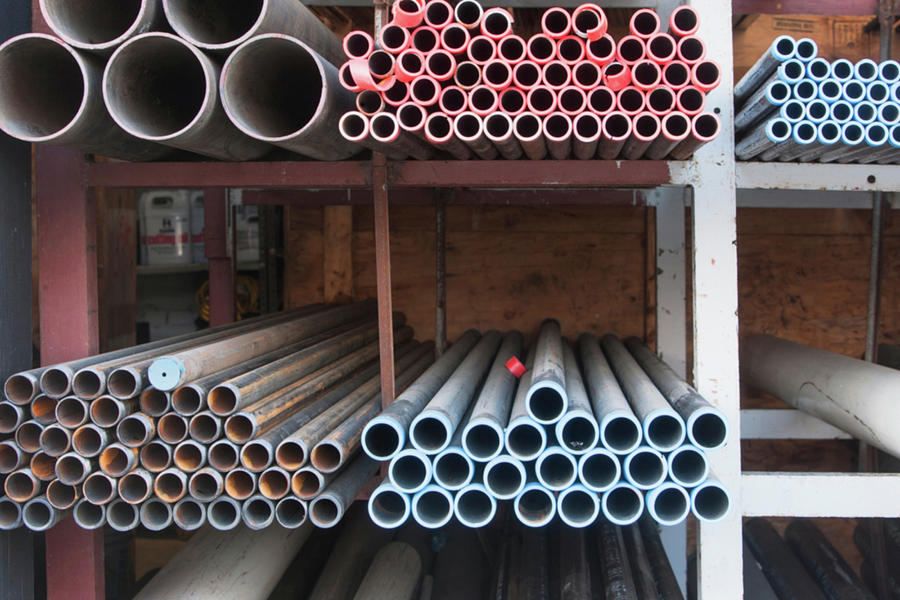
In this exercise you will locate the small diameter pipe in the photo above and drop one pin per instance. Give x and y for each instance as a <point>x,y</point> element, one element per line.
<point>690,101</point>
<point>541,101</point>
<point>577,431</point>
<point>852,139</point>
<point>668,504</point>
<point>512,49</point>
<point>601,101</point>
<point>802,140</point>
<point>599,470</point>
<point>525,439</point>
<point>39,515</point>
<point>578,506</point>
<point>498,128</point>
<point>829,134</point>
<point>10,514</point>
<point>556,22</point>
<point>546,399</point>
<point>11,457</point>
<point>589,21</point>
<point>556,469</point>
<point>529,131</point>
<point>385,128</point>
<point>818,69</point>
<point>240,483</point>
<point>43,466</point>
<point>841,111</point>
<point>116,459</point>
<point>55,440</point>
<point>481,50</point>
<point>540,49</point>
<point>28,436</point>
<point>291,513</point>
<point>354,126</point>
<point>691,50</point>
<point>87,516</point>
<point>572,101</point>
<point>469,128</point>
<point>676,127</point>
<point>224,513</point>
<point>90,440</point>
<point>616,131</point>
<point>21,485</point>
<point>358,44</point>
<point>570,50</point>
<point>535,506</point>
<point>100,488</point>
<point>432,507</point>
<point>646,75</point>
<point>497,75</point>
<point>616,76</point>
<point>206,484</point>
<point>684,21</point>
<point>171,485</point>
<point>763,103</point>
<point>329,507</point>
<point>663,428</point>
<point>688,466</point>
<point>62,496</point>
<point>439,133</point>
<point>483,100</point>
<point>866,70</point>
<point>468,75</point>
<point>440,65</point>
<point>455,39</point>
<point>556,75</point>
<point>258,512</point>
<point>42,409</point>
<point>307,483</point>
<point>782,49</point>
<point>122,516</point>
<point>710,501</point>
<point>496,23</point>
<point>646,128</point>
<point>388,507</point>
<point>705,128</point>
<point>661,101</point>
<point>425,39</point>
<point>135,486</point>
<point>410,470</point>
<point>409,65</point>
<point>474,507</point>
<point>676,75</point>
<point>706,75</point>
<point>630,50</point>
<point>558,135</point>
<point>853,91</point>
<point>156,515</point>
<point>72,412</point>
<point>107,411</point>
<point>766,136</point>
<point>408,13</point>
<point>513,101</point>
<point>586,131</point>
<point>645,468</point>
<point>662,48</point>
<point>526,75</point>
<point>876,138</point>
<point>223,455</point>
<point>189,514</point>
<point>644,23</point>
<point>622,504</point>
<point>504,477</point>
<point>205,427</point>
<point>189,456</point>
<point>586,76</point>
<point>864,112</point>
<point>601,51</point>
<point>394,38</point>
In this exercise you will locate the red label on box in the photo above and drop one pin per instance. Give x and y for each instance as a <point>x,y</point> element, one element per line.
<point>516,367</point>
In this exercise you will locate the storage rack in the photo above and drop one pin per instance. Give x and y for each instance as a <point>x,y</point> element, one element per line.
<point>68,267</point>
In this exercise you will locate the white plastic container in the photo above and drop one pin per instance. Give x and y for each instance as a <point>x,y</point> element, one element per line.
<point>198,243</point>
<point>165,217</point>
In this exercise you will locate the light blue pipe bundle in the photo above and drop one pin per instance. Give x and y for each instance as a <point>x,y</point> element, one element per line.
<point>830,90</point>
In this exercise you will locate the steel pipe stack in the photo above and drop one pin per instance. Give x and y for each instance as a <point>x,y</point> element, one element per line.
<point>255,422</point>
<point>579,430</point>
<point>444,81</point>
<point>231,83</point>
<point>793,106</point>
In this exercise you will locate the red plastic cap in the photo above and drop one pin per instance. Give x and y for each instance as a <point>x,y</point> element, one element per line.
<point>516,367</point>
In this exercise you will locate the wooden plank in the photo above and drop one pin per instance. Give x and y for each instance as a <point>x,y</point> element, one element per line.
<point>117,267</point>
<point>338,259</point>
<point>221,263</point>
<point>383,277</point>
<point>805,7</point>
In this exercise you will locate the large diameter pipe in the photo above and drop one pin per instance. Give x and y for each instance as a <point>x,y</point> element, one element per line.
<point>393,575</point>
<point>432,430</point>
<point>52,94</point>
<point>385,435</point>
<point>160,88</point>
<point>100,27</point>
<point>239,565</point>
<point>277,89</point>
<point>782,49</point>
<point>853,395</point>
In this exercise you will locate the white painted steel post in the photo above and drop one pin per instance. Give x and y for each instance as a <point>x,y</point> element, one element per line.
<point>715,309</point>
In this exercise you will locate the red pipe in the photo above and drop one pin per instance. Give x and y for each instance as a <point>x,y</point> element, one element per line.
<point>497,74</point>
<point>526,75</point>
<point>645,75</point>
<point>498,128</point>
<point>529,131</point>
<point>455,39</point>
<point>381,64</point>
<point>616,76</point>
<point>438,14</point>
<point>385,128</point>
<point>440,64</point>
<point>661,101</point>
<point>616,130</point>
<point>541,100</point>
<point>644,23</point>
<point>541,49</point>
<point>408,13</point>
<point>558,133</point>
<point>425,39</point>
<point>556,22</point>
<point>409,65</point>
<point>482,49</point>
<point>662,48</point>
<point>601,51</point>
<point>645,129</point>
<point>691,50</point>
<point>586,75</point>
<point>467,75</point>
<point>630,50</point>
<point>601,101</point>
<point>675,128</point>
<point>512,101</point>
<point>425,90</point>
<point>468,13</point>
<point>706,75</point>
<point>358,44</point>
<point>556,74</point>
<point>346,76</point>
<point>572,101</point>
<point>483,100</point>
<point>439,133</point>
<point>631,101</point>
<point>469,128</point>
<point>704,129</point>
<point>586,129</point>
<point>690,100</point>
<point>570,49</point>
<point>590,22</point>
<point>397,94</point>
<point>496,23</point>
<point>394,38</point>
<point>453,100</point>
<point>411,117</point>
<point>684,22</point>
<point>512,49</point>
<point>676,74</point>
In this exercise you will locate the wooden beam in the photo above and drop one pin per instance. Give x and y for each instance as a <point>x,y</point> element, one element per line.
<point>338,253</point>
<point>117,267</point>
<point>805,7</point>
<point>221,265</point>
<point>383,278</point>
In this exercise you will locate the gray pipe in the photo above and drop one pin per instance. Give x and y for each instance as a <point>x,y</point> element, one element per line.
<point>668,504</point>
<point>577,431</point>
<point>763,103</point>
<point>88,515</point>
<point>535,505</point>
<point>277,89</point>
<point>100,26</point>
<point>504,477</point>
<point>622,504</point>
<point>156,515</point>
<point>556,469</point>
<point>763,138</point>
<point>578,506</point>
<point>474,506</point>
<point>389,507</point>
<point>189,514</point>
<point>224,513</point>
<point>329,507</point>
<point>599,470</point>
<point>52,94</point>
<point>546,398</point>
<point>258,512</point>
<point>10,514</point>
<point>782,49</point>
<point>291,512</point>
<point>432,507</point>
<point>122,516</point>
<point>39,515</point>
<point>524,438</point>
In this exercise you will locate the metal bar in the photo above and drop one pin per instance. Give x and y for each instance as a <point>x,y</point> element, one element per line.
<point>851,495</point>
<point>818,177</point>
<point>221,266</point>
<point>383,276</point>
<point>440,270</point>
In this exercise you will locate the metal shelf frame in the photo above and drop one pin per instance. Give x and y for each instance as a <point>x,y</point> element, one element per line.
<point>68,274</point>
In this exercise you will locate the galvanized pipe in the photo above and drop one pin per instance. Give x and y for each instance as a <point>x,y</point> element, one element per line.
<point>258,512</point>
<point>524,438</point>
<point>474,506</point>
<point>410,470</point>
<point>432,507</point>
<point>782,49</point>
<point>763,138</point>
<point>87,515</point>
<point>645,468</point>
<point>668,504</point>
<point>535,505</point>
<point>224,513</point>
<point>156,515</point>
<point>688,466</point>
<point>578,506</point>
<point>122,516</point>
<point>546,398</point>
<point>710,501</point>
<point>504,477</point>
<point>599,470</point>
<point>329,507</point>
<point>622,504</point>
<point>10,514</point>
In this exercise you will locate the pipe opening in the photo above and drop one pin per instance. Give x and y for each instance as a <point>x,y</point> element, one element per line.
<point>691,100</point>
<point>646,73</point>
<point>240,484</point>
<point>535,505</point>
<point>106,411</point>
<point>793,71</point>
<point>602,49</point>
<point>397,94</point>
<point>671,505</point>
<point>468,12</point>
<point>10,457</point>
<point>358,45</point>
<point>122,515</point>
<point>382,440</point>
<point>87,383</point>
<point>601,100</point>
<point>133,487</point>
<point>557,22</point>
<point>527,128</point>
<point>291,513</point>
<point>541,48</point>
<point>451,469</point>
<point>154,402</point>
<point>20,389</point>
<point>306,484</point>
<point>189,457</point>
<point>98,488</point>
<point>830,133</point>
<point>187,400</point>
<point>88,515</point>
<point>685,19</point>
<point>541,100</point>
<point>689,466</point>
<point>433,508</point>
<point>711,502</point>
<point>256,456</point>
<point>503,479</point>
<point>691,49</point>
<point>54,440</point>
<point>275,87</point>
<point>10,513</point>
<point>468,75</point>
<point>617,126</point>
<point>785,46</point>
<point>223,400</point>
<point>205,428</point>
<point>579,507</point>
<point>132,431</point>
<point>666,431</point>
<point>779,91</point>
<point>325,511</point>
<point>224,514</point>
<point>211,21</point>
<point>156,514</point>
<point>497,126</point>
<point>169,486</point>
<point>156,456</point>
<point>88,441</point>
<point>866,70</point>
<point>38,515</point>
<point>708,74</point>
<point>571,49</point>
<point>475,506</point>
<point>614,69</point>
<point>496,23</point>
<point>645,23</point>
<point>806,49</point>
<point>586,127</point>
<point>411,62</point>
<point>92,22</point>
<point>223,456</point>
<point>546,403</point>
<point>805,90</point>
<point>854,91</point>
<point>587,74</point>
<point>878,92</point>
<point>369,102</point>
<point>623,503</point>
<point>889,71</point>
<point>425,39</point>
<point>599,470</point>
<point>661,100</point>
<point>579,433</point>
<point>290,454</point>
<point>156,88</point>
<point>632,100</point>
<point>676,75</point>
<point>172,428</point>
<point>408,472</point>
<point>646,469</point>
<point>469,127</point>
<point>661,47</point>
<point>274,484</point>
<point>557,470</point>
<point>512,101</point>
<point>346,77</point>
<point>20,486</point>
<point>43,92</point>
<point>677,126</point>
<point>28,436</point>
<point>425,91</point>
<point>71,412</point>
<point>327,457</point>
<point>440,63</point>
<point>842,69</point>
<point>482,49</point>
<point>819,68</point>
<point>394,37</point>
<point>10,414</point>
<point>586,20</point>
<point>631,49</point>
<point>854,133</point>
<point>511,48</point>
<point>709,430</point>
<point>388,507</point>
<point>439,128</point>
<point>572,100</point>
<point>497,73</point>
<point>876,134</point>
<point>841,111</point>
<point>204,486</point>
<point>483,441</point>
<point>455,38</point>
<point>43,466</point>
<point>124,383</point>
<point>889,113</point>
<point>115,461</point>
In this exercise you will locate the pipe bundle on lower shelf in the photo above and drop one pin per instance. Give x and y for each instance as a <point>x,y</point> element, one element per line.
<point>793,106</point>
<point>601,427</point>
<point>458,82</point>
<point>239,423</point>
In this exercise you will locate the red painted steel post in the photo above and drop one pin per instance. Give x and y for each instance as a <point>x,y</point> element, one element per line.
<point>383,277</point>
<point>68,315</point>
<point>221,265</point>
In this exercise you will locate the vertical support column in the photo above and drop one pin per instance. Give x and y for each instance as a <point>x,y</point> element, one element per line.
<point>338,259</point>
<point>671,327</point>
<point>221,264</point>
<point>383,277</point>
<point>67,231</point>
<point>440,271</point>
<point>715,309</point>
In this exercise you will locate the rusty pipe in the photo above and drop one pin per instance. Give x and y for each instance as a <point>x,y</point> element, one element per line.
<point>171,485</point>
<point>274,483</point>
<point>11,416</point>
<point>172,428</point>
<point>72,412</point>
<point>12,457</point>
<point>136,486</point>
<point>107,411</point>
<point>43,465</point>
<point>206,485</point>
<point>135,430</point>
<point>189,456</point>
<point>189,514</point>
<point>22,485</point>
<point>240,484</point>
<point>56,440</point>
<point>117,460</point>
<point>100,488</point>
<point>328,508</point>
<point>224,513</point>
<point>90,440</point>
<point>28,435</point>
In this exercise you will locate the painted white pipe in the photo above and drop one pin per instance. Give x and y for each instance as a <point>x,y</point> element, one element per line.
<point>156,515</point>
<point>668,504</point>
<point>853,395</point>
<point>599,470</point>
<point>410,471</point>
<point>291,512</point>
<point>504,477</point>
<point>238,565</point>
<point>578,506</point>
<point>432,507</point>
<point>710,501</point>
<point>189,514</point>
<point>556,469</point>
<point>688,466</point>
<point>535,505</point>
<point>645,468</point>
<point>474,506</point>
<point>389,507</point>
<point>88,515</point>
<point>622,504</point>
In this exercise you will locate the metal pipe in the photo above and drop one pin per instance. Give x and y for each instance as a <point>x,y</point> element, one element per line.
<point>223,455</point>
<point>425,39</point>
<point>55,440</point>
<point>62,496</point>
<point>116,459</point>
<point>172,428</point>
<point>329,507</point>
<point>586,131</point>
<point>385,435</point>
<point>455,39</point>
<point>171,485</point>
<point>205,427</point>
<point>546,398</point>
<point>224,513</point>
<point>622,504</point>
<point>394,38</point>
<point>469,128</point>
<point>529,131</point>
<point>762,103</point>
<point>660,567</point>
<point>645,468</point>
<point>829,134</point>
<point>570,49</point>
<point>389,507</point>
<point>535,505</point>
<point>601,51</point>
<point>676,75</point>
<point>558,135</point>
<point>189,514</point>
<point>22,485</point>
<point>504,477</point>
<point>765,137</point>
<point>468,75</point>
<point>439,133</point>
<point>358,44</point>
<point>481,50</point>
<point>107,411</point>
<point>704,129</point>
<point>498,128</point>
<point>87,515</point>
<point>156,515</point>
<point>39,515</point>
<point>646,128</point>
<point>28,435</point>
<point>513,102</point>
<point>11,416</point>
<point>661,101</point>
<point>135,486</point>
<point>675,128</point>
<point>474,507</point>
<point>641,570</point>
<point>274,483</point>
<point>630,50</point>
<point>72,469</point>
<point>688,466</point>
<point>240,483</point>
<point>206,484</point>
<point>43,466</point>
<point>189,456</point>
<point>258,512</point>
<point>668,504</point>
<point>452,468</point>
<point>72,412</point>
<point>122,516</point>
<point>410,470</point>
<point>599,470</point>
<point>100,488</point>
<point>782,49</point>
<point>12,457</point>
<point>354,126</point>
<point>385,129</point>
<point>616,131</point>
<point>135,430</point>
<point>710,501</point>
<point>831,571</point>
<point>468,13</point>
<point>556,469</point>
<point>393,575</point>
<point>453,100</point>
<point>661,48</point>
<point>307,483</point>
<point>578,506</point>
<point>146,107</point>
<point>90,440</point>
<point>290,512</point>
<point>100,27</point>
<point>541,101</point>
<point>432,506</point>
<point>782,568</point>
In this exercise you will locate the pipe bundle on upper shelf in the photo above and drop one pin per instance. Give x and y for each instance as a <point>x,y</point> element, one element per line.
<point>793,106</point>
<point>575,430</point>
<point>256,422</point>
<point>445,81</point>
<point>232,82</point>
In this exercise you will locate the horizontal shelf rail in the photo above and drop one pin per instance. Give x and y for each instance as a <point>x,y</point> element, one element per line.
<point>818,177</point>
<point>786,424</point>
<point>845,495</point>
